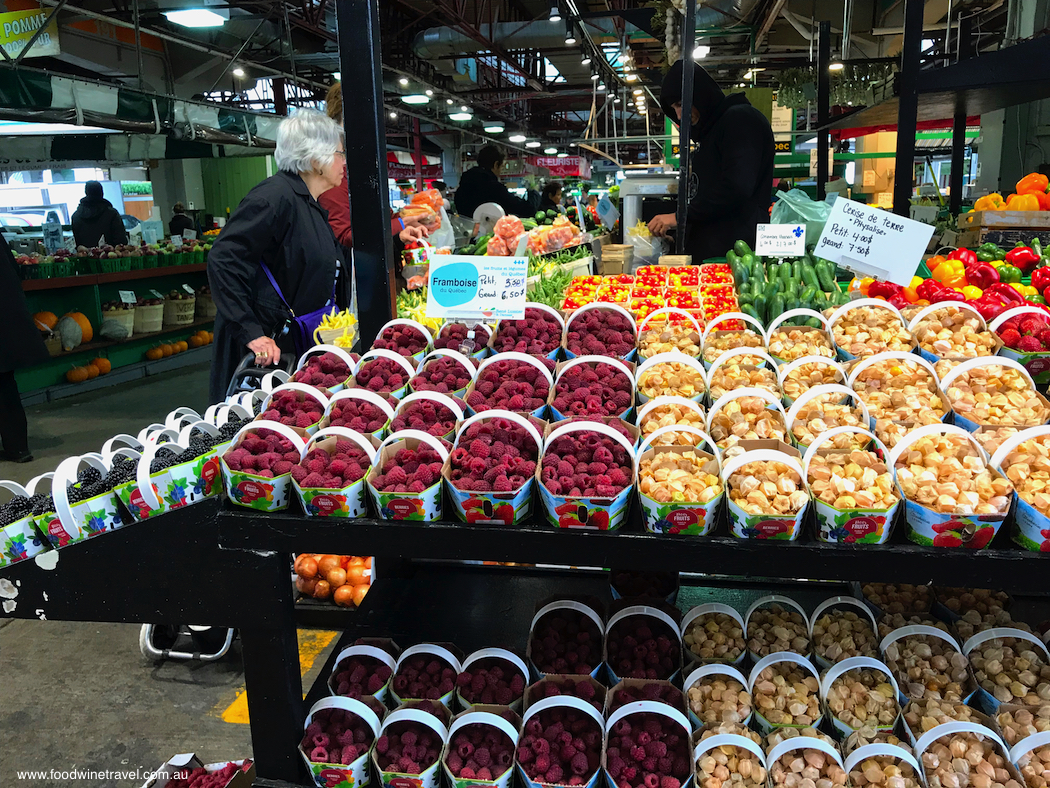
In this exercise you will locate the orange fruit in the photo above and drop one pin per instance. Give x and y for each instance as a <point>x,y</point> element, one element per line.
<point>359,594</point>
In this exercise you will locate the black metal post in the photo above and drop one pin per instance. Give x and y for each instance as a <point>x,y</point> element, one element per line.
<point>685,123</point>
<point>908,109</point>
<point>362,79</point>
<point>280,98</point>
<point>823,105</point>
<point>955,180</point>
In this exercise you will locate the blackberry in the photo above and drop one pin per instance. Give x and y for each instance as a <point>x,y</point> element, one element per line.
<point>42,503</point>
<point>75,494</point>
<point>89,475</point>
<point>15,509</point>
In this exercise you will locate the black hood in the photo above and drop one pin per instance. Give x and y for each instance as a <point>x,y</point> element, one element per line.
<point>707,96</point>
<point>93,207</point>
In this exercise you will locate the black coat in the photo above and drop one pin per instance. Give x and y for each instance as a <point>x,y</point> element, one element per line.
<point>280,223</point>
<point>479,185</point>
<point>731,177</point>
<point>96,218</point>
<point>20,342</point>
<point>179,223</point>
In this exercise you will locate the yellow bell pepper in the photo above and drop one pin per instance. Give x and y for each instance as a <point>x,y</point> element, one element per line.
<point>949,270</point>
<point>1022,202</point>
<point>972,293</point>
<point>1025,290</point>
<point>990,202</point>
<point>997,264</point>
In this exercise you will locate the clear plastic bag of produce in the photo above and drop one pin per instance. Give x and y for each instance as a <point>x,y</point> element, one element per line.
<point>796,207</point>
<point>553,237</point>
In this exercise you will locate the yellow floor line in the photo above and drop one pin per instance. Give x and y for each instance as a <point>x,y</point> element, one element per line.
<point>312,643</point>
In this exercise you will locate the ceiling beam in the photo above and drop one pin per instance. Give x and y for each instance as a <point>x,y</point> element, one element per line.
<point>767,22</point>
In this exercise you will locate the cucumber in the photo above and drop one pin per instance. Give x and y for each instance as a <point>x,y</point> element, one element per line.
<point>809,276</point>
<point>528,224</point>
<point>796,270</point>
<point>785,273</point>
<point>741,248</point>
<point>814,323</point>
<point>772,288</point>
<point>760,308</point>
<point>743,290</point>
<point>791,303</point>
<point>826,277</point>
<point>776,306</point>
<point>540,216</point>
<point>740,271</point>
<point>751,310</point>
<point>744,298</point>
<point>791,291</point>
<point>840,298</point>
<point>758,272</point>
<point>732,257</point>
<point>748,259</point>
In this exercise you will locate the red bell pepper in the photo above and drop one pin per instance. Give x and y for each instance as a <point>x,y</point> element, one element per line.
<point>1041,278</point>
<point>968,257</point>
<point>1006,293</point>
<point>1023,257</point>
<point>982,275</point>
<point>898,300</point>
<point>990,306</point>
<point>928,289</point>
<point>948,294</point>
<point>886,290</point>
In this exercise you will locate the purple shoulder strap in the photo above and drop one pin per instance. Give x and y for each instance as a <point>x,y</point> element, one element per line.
<point>269,275</point>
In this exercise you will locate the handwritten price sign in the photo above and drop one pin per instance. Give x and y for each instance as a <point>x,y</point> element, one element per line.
<point>477,287</point>
<point>780,240</point>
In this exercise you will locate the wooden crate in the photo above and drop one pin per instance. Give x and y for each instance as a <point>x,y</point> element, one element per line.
<point>1006,228</point>
<point>676,259</point>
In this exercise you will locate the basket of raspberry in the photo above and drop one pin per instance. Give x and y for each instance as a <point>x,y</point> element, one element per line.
<point>362,670</point>
<point>668,412</point>
<point>1021,331</point>
<point>384,372</point>
<point>860,692</point>
<point>767,494</point>
<point>444,371</point>
<point>543,756</point>
<point>295,405</point>
<point>746,414</point>
<point>1024,459</point>
<point>629,691</point>
<point>643,642</point>
<point>491,470</point>
<point>360,410</point>
<point>426,671</point>
<point>405,478</point>
<point>736,369</point>
<point>470,340</point>
<point>675,331</point>
<point>801,338</point>
<point>406,338</point>
<point>257,469</point>
<point>670,375</point>
<point>538,333</point>
<point>329,479</point>
<point>338,737</point>
<point>491,677</point>
<point>511,381</point>
<point>641,584</point>
<point>647,746</point>
<point>596,497</point>
<point>600,329</point>
<point>680,488</point>
<point>480,751</point>
<point>408,750</point>
<point>799,376</point>
<point>952,330</point>
<point>825,408</point>
<point>551,685</point>
<point>854,494</point>
<point>593,386</point>
<point>325,367</point>
<point>716,341</point>
<point>729,760</point>
<point>565,638</point>
<point>19,540</point>
<point>994,391</point>
<point>429,412</point>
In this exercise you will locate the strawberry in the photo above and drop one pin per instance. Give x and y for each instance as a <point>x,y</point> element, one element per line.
<point>1010,337</point>
<point>981,538</point>
<point>1029,344</point>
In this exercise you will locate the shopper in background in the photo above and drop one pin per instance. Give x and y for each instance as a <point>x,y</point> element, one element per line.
<point>731,170</point>
<point>276,249</point>
<point>20,346</point>
<point>482,184</point>
<point>550,198</point>
<point>96,222</point>
<point>180,222</point>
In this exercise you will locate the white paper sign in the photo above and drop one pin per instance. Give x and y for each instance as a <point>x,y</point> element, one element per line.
<point>607,211</point>
<point>176,240</point>
<point>156,294</point>
<point>873,242</point>
<point>781,240</point>
<point>127,296</point>
<point>869,177</point>
<point>188,289</point>
<point>189,235</point>
<point>478,287</point>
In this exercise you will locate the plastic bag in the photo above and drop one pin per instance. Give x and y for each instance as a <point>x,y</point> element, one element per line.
<point>796,207</point>
<point>647,247</point>
<point>443,235</point>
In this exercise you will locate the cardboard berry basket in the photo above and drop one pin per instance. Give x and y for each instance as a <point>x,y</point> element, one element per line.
<point>319,350</point>
<point>860,410</point>
<point>552,608</point>
<point>926,311</point>
<point>673,315</point>
<point>180,417</point>
<point>357,774</point>
<point>425,506</point>
<point>854,369</point>
<point>711,333</point>
<point>852,603</point>
<point>940,529</point>
<point>856,525</point>
<point>48,524</point>
<point>713,669</point>
<point>145,495</point>
<point>927,631</point>
<point>482,655</point>
<point>493,508</point>
<point>656,402</point>
<point>465,362</point>
<point>843,730</point>
<point>770,599</point>
<point>766,362</point>
<point>948,728</point>
<point>252,490</point>
<point>772,404</point>
<point>799,744</point>
<point>603,514</point>
<point>975,363</point>
<point>1028,745</point>
<point>19,540</point>
<point>563,702</point>
<point>220,416</point>
<point>758,721</point>
<point>179,768</point>
<point>456,405</point>
<point>784,371</point>
<point>535,692</point>
<point>603,306</point>
<point>481,349</point>
<point>719,740</point>
<point>635,688</point>
<point>877,750</point>
<point>511,355</point>
<point>430,777</point>
<point>777,324</point>
<point>836,316</point>
<point>502,774</point>
<point>404,321</point>
<point>696,612</point>
<point>1031,528</point>
<point>626,367</point>
<point>648,612</point>
<point>307,392</point>
<point>404,362</point>
<point>745,525</point>
<point>434,650</point>
<point>528,304</point>
<point>346,501</point>
<point>662,358</point>
<point>685,518</point>
<point>982,698</point>
<point>676,717</point>
<point>199,478</point>
<point>1037,364</point>
<point>365,396</point>
<point>363,650</point>
<point>89,517</point>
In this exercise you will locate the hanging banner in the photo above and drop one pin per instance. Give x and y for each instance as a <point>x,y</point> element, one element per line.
<point>17,27</point>
<point>566,167</point>
<point>477,287</point>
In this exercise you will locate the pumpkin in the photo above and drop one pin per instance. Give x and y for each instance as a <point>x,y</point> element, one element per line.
<point>183,345</point>
<point>154,354</point>
<point>71,333</point>
<point>45,321</point>
<point>102,365</point>
<point>84,323</point>
<point>113,330</point>
<point>195,341</point>
<point>92,372</point>
<point>77,375</point>
<point>166,350</point>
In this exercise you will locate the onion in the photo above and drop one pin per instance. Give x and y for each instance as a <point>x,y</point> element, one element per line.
<point>307,567</point>
<point>306,585</point>
<point>327,564</point>
<point>322,590</point>
<point>337,577</point>
<point>344,596</point>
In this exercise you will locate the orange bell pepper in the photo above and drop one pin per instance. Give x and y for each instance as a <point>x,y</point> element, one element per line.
<point>935,261</point>
<point>1022,202</point>
<point>1033,183</point>
<point>949,270</point>
<point>990,202</point>
<point>1044,201</point>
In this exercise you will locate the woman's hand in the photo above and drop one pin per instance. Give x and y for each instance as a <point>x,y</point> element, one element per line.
<point>413,232</point>
<point>266,351</point>
<point>659,225</point>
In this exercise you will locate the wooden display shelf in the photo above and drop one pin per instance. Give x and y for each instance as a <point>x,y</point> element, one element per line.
<point>117,276</point>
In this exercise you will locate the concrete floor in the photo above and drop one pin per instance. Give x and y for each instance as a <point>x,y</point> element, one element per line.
<point>76,695</point>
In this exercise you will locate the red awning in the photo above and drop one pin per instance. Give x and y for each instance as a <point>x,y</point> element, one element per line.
<point>401,164</point>
<point>924,125</point>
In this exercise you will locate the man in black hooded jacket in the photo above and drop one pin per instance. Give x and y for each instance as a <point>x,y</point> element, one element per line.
<point>96,218</point>
<point>732,169</point>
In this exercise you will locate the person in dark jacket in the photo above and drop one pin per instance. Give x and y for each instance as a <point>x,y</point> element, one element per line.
<point>180,222</point>
<point>550,197</point>
<point>279,223</point>
<point>96,222</point>
<point>731,171</point>
<point>20,346</point>
<point>482,184</point>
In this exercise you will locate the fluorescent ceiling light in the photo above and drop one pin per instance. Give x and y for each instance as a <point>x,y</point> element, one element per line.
<point>836,65</point>
<point>616,100</point>
<point>570,35</point>
<point>450,102</point>
<point>517,138</point>
<point>701,52</point>
<point>550,151</point>
<point>752,72</point>
<point>532,144</point>
<point>337,76</point>
<point>494,128</point>
<point>563,155</point>
<point>460,116</point>
<point>570,39</point>
<point>430,92</point>
<point>237,71</point>
<point>601,86</point>
<point>403,81</point>
<point>637,91</point>
<point>197,17</point>
<point>594,77</point>
<point>416,98</point>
